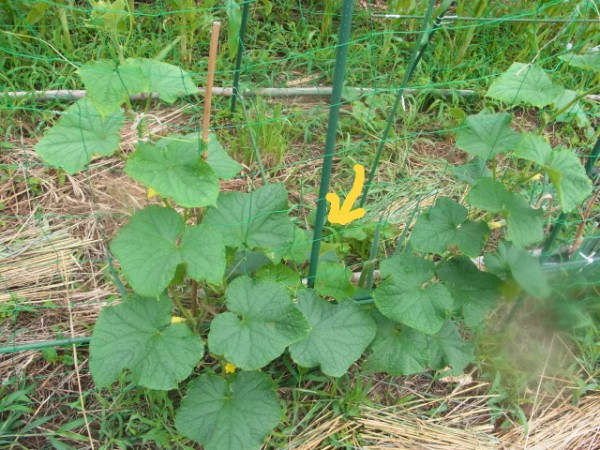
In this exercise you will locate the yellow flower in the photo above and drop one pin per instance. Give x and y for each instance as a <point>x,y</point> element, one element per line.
<point>495,225</point>
<point>176,319</point>
<point>151,193</point>
<point>229,368</point>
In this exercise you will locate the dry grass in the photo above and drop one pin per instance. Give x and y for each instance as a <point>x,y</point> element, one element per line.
<point>463,424</point>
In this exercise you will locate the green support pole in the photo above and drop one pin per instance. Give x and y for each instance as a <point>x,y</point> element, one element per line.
<point>240,54</point>
<point>44,344</point>
<point>591,162</point>
<point>339,73</point>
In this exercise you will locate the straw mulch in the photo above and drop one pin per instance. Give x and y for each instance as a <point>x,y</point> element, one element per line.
<point>563,427</point>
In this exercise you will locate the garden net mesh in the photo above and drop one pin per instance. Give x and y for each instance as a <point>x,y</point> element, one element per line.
<point>55,268</point>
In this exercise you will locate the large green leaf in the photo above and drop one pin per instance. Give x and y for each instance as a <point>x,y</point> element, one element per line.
<point>174,168</point>
<point>524,83</point>
<point>226,415</point>
<point>256,220</point>
<point>281,274</point>
<point>410,296</point>
<point>138,335</point>
<point>333,280</point>
<point>446,224</point>
<point>339,334</point>
<point>397,350</point>
<point>111,16</point>
<point>224,166</point>
<point>299,249</point>
<point>262,321</point>
<point>475,293</point>
<point>109,84</point>
<point>534,148</point>
<point>167,80</point>
<point>80,133</point>
<point>487,135</point>
<point>571,109</point>
<point>590,61</point>
<point>149,250</point>
<point>525,225</point>
<point>563,168</point>
<point>569,178</point>
<point>513,263</point>
<point>447,348</point>
<point>471,171</point>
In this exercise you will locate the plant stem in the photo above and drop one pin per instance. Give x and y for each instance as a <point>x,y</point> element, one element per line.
<point>194,298</point>
<point>334,115</point>
<point>180,306</point>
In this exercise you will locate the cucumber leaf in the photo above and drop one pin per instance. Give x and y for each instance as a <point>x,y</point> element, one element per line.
<point>525,225</point>
<point>261,322</point>
<point>475,293</point>
<point>524,83</point>
<point>138,335</point>
<point>80,133</point>
<point>109,84</point>
<point>257,220</point>
<point>563,168</point>
<point>487,135</point>
<point>447,348</point>
<point>513,263</point>
<point>175,168</point>
<point>589,61</point>
<point>155,241</point>
<point>168,81</point>
<point>397,350</point>
<point>226,414</point>
<point>445,224</point>
<point>224,166</point>
<point>409,295</point>
<point>339,334</point>
<point>333,280</point>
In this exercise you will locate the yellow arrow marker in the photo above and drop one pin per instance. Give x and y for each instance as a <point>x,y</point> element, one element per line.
<point>345,214</point>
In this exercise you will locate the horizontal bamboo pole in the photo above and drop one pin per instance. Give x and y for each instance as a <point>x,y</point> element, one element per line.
<point>227,92</point>
<point>318,91</point>
<point>486,19</point>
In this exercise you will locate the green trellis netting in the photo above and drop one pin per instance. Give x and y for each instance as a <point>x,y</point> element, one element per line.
<point>275,86</point>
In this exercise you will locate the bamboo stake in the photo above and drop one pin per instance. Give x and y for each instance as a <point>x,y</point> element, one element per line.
<point>212,63</point>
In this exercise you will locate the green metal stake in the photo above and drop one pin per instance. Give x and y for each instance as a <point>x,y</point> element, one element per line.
<point>44,344</point>
<point>240,52</point>
<point>339,73</point>
<point>418,51</point>
<point>591,162</point>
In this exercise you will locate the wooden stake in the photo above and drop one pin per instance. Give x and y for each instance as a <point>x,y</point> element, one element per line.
<point>212,62</point>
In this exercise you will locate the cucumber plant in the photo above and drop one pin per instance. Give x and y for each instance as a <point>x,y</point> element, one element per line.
<point>248,255</point>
